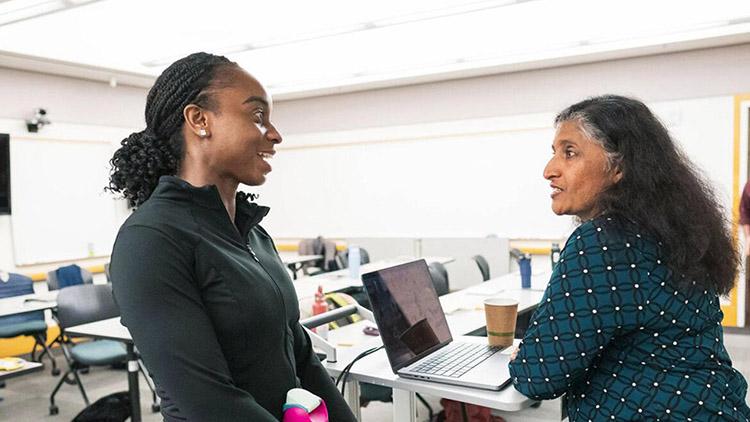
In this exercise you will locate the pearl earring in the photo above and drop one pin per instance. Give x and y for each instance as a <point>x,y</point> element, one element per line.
<point>202,133</point>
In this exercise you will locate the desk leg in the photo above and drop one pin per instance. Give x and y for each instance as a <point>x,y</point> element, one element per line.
<point>404,406</point>
<point>135,396</point>
<point>351,395</point>
<point>293,268</point>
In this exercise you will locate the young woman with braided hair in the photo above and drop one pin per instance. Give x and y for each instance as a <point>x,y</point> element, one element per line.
<point>199,283</point>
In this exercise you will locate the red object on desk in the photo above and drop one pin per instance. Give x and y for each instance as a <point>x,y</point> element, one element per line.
<point>319,306</point>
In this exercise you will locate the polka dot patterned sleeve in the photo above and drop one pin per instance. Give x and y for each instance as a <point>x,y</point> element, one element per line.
<point>593,294</point>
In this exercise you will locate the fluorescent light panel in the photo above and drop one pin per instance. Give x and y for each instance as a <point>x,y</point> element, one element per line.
<point>293,45</point>
<point>13,11</point>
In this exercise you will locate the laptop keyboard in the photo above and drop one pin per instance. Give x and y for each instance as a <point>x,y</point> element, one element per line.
<point>456,359</point>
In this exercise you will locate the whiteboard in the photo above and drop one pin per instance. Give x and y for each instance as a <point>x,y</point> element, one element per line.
<point>60,209</point>
<point>454,179</point>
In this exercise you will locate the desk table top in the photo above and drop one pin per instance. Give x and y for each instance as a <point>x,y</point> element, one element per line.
<point>28,303</point>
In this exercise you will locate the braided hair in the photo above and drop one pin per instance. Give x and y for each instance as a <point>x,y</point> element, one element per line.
<point>158,150</point>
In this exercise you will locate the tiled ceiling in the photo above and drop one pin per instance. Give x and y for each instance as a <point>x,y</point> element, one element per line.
<point>306,47</point>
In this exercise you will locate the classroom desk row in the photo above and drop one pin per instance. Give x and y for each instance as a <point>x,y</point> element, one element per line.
<point>113,330</point>
<point>334,281</point>
<point>48,300</point>
<point>463,310</point>
<point>305,286</point>
<point>28,303</point>
<point>465,314</point>
<point>296,262</point>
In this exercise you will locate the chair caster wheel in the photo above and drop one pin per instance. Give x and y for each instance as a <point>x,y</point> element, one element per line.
<point>53,410</point>
<point>56,372</point>
<point>155,408</point>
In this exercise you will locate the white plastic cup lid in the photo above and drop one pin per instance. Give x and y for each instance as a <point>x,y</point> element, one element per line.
<point>500,301</point>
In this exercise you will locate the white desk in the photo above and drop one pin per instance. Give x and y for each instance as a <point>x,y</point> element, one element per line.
<point>28,303</point>
<point>465,314</point>
<point>295,262</point>
<point>27,368</point>
<point>306,287</point>
<point>379,265</point>
<point>112,329</point>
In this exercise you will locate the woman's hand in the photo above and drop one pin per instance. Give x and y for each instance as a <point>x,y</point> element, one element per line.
<point>514,353</point>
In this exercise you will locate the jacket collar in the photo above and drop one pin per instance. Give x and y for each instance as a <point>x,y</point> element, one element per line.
<point>248,214</point>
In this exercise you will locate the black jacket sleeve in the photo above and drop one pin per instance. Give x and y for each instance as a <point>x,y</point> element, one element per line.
<point>315,378</point>
<point>160,303</point>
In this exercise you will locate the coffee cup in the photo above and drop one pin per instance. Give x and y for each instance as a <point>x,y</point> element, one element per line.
<point>501,320</point>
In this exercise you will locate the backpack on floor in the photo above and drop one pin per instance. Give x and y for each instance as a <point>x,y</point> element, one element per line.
<point>456,411</point>
<point>112,408</point>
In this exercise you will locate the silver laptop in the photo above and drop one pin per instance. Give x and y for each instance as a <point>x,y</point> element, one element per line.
<point>416,336</point>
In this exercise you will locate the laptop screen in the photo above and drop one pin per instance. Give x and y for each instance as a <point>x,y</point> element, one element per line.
<point>406,307</point>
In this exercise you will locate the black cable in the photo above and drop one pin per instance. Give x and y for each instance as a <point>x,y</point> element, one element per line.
<point>345,372</point>
<point>348,367</point>
<point>427,405</point>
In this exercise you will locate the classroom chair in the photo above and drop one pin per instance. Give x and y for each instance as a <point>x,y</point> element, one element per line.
<point>27,324</point>
<point>439,276</point>
<point>69,275</point>
<point>483,265</point>
<point>342,259</point>
<point>80,305</point>
<point>311,247</point>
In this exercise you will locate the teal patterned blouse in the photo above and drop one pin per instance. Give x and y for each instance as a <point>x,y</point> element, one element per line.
<point>622,341</point>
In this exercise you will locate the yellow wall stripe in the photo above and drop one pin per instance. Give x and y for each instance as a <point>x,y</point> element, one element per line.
<point>17,346</point>
<point>294,247</point>
<point>94,269</point>
<point>730,310</point>
<point>536,251</point>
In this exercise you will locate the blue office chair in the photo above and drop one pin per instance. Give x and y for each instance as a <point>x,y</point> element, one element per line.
<point>27,324</point>
<point>82,304</point>
<point>69,275</point>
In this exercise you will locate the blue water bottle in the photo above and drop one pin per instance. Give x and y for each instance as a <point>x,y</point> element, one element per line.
<point>354,262</point>
<point>524,264</point>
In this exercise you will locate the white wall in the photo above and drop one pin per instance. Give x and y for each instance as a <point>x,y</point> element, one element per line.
<point>692,74</point>
<point>70,100</point>
<point>464,178</point>
<point>689,75</point>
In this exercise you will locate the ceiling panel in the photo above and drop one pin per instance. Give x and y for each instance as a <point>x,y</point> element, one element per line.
<point>307,47</point>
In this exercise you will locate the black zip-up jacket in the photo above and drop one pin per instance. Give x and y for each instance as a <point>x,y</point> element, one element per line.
<point>212,309</point>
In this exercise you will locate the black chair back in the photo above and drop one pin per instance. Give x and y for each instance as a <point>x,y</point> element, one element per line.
<point>484,266</point>
<point>342,258</point>
<point>364,257</point>
<point>85,303</point>
<point>439,276</point>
